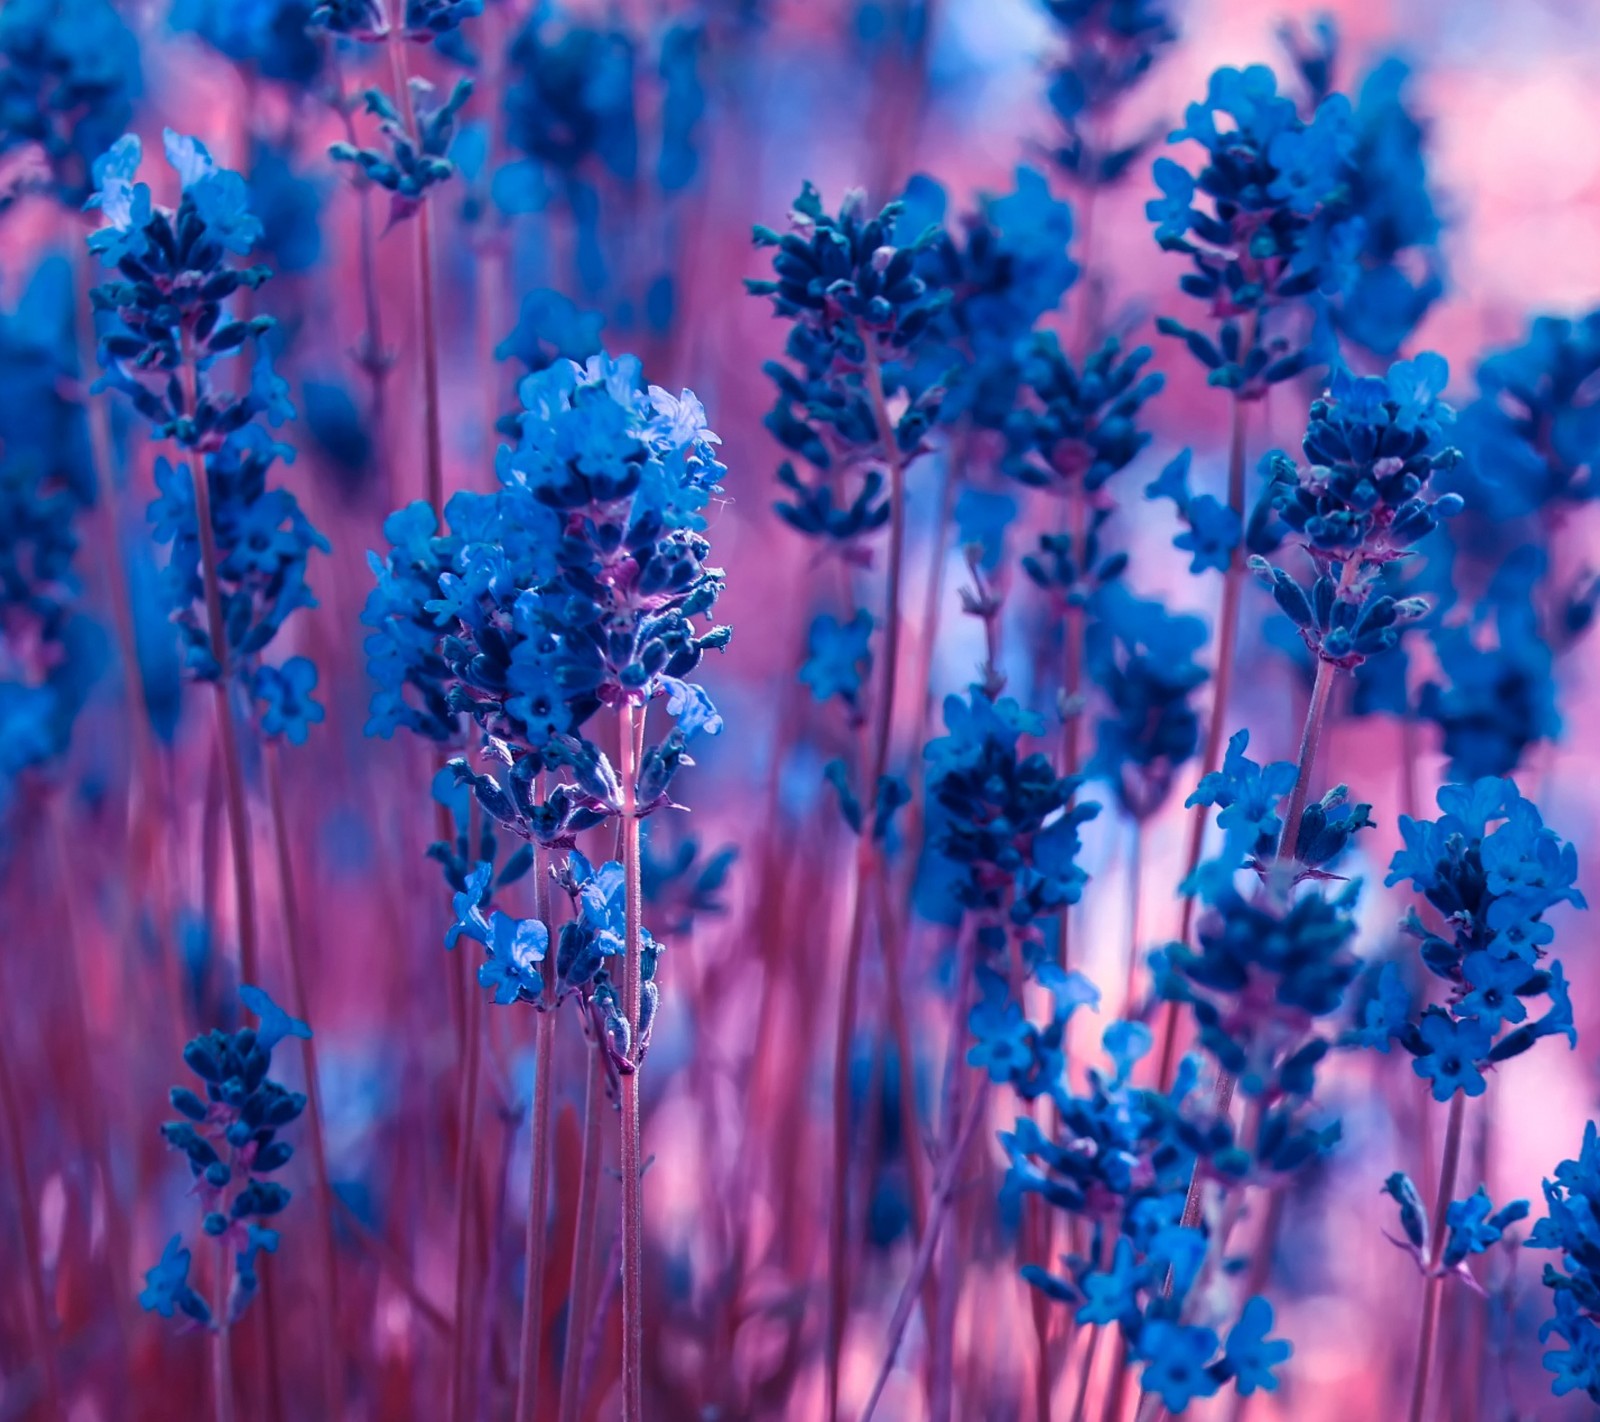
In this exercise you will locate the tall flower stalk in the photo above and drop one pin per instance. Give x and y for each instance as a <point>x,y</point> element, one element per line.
<point>572,588</point>
<point>860,311</point>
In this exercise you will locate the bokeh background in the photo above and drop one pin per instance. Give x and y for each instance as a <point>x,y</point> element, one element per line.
<point>133,933</point>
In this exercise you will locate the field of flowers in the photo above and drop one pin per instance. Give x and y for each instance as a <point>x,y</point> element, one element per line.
<point>748,709</point>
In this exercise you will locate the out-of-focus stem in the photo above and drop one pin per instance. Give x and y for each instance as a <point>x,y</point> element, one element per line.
<point>1433,1284</point>
<point>1216,732</point>
<point>427,319</point>
<point>288,887</point>
<point>632,1161</point>
<point>1135,915</point>
<point>527,1399</point>
<point>944,1190</point>
<point>27,1214</point>
<point>571,1401</point>
<point>222,1341</point>
<point>232,766</point>
<point>865,865</point>
<point>462,1373</point>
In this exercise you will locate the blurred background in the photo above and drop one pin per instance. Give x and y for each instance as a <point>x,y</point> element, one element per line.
<point>117,910</point>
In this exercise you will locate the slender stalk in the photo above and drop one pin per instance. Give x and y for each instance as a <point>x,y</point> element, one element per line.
<point>944,1189</point>
<point>462,1375</point>
<point>570,1404</point>
<point>632,1165</point>
<point>1222,687</point>
<point>865,865</point>
<point>371,355</point>
<point>1080,1401</point>
<point>838,1214</point>
<point>1433,1285</point>
<point>427,319</point>
<point>884,721</point>
<point>33,1255</point>
<point>527,1398</point>
<point>228,733</point>
<point>222,1342</point>
<point>1310,741</point>
<point>288,887</point>
<point>1135,914</point>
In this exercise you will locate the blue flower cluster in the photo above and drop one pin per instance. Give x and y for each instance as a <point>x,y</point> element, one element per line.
<point>418,147</point>
<point>516,952</point>
<point>1267,966</point>
<point>1493,871</point>
<point>49,652</point>
<point>682,885</point>
<point>573,586</point>
<point>229,1135</point>
<point>857,304</point>
<point>1005,267</point>
<point>173,327</point>
<point>1108,47</point>
<point>581,111</point>
<point>1211,531</point>
<point>1533,434</point>
<point>69,75</point>
<point>1142,659</point>
<point>1400,272</point>
<point>1121,1159</point>
<point>1374,444</point>
<point>1077,427</point>
<point>1472,1226</point>
<point>273,37</point>
<point>1572,1228</point>
<point>1277,229</point>
<point>1008,823</point>
<point>1494,698</point>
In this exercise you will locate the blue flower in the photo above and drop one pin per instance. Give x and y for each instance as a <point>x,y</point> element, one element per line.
<point>69,75</point>
<point>1112,1295</point>
<point>274,1024</point>
<point>1002,1038</point>
<point>1177,1362</point>
<point>1494,982</point>
<point>515,946</point>
<point>1454,1051</point>
<point>1250,1353</point>
<point>468,905</point>
<point>1386,1012</point>
<point>1171,212</point>
<point>167,1290</point>
<point>1476,1226</point>
<point>839,656</point>
<point>288,708</point>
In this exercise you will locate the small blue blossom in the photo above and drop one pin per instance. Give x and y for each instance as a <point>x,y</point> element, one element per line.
<point>515,947</point>
<point>1475,1226</point>
<point>468,905</point>
<point>167,1290</point>
<point>287,706</point>
<point>1250,1354</point>
<point>1177,1362</point>
<point>1452,1051</point>
<point>839,656</point>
